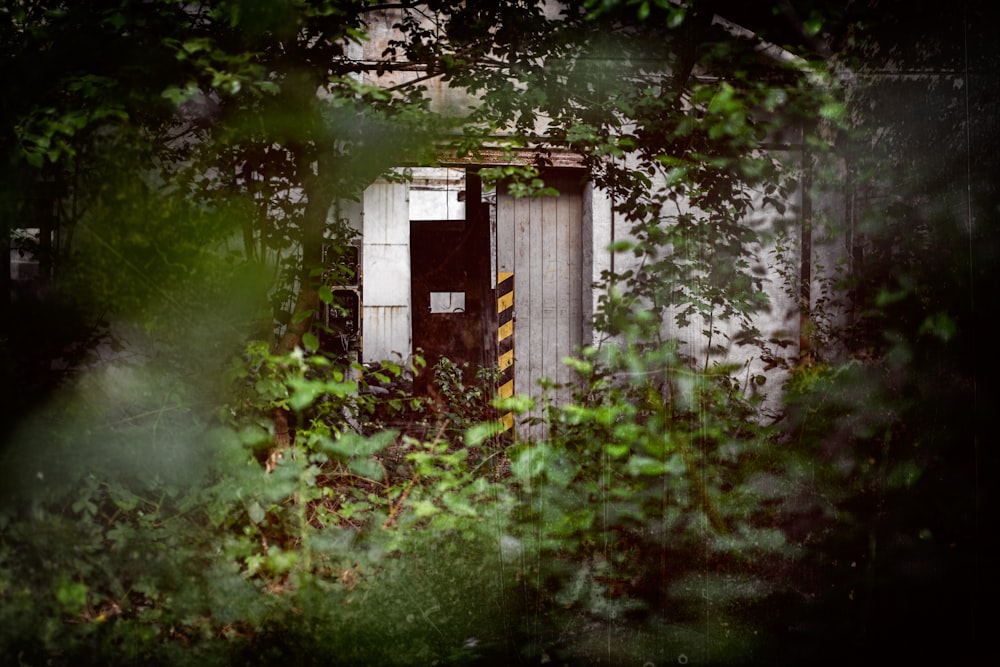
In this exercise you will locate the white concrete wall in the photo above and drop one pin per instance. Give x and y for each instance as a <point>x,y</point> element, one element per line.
<point>779,322</point>
<point>387,328</point>
<point>597,235</point>
<point>381,30</point>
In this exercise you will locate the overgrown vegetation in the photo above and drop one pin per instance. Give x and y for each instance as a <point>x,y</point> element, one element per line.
<point>174,494</point>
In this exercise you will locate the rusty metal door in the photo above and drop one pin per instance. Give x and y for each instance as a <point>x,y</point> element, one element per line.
<point>452,294</point>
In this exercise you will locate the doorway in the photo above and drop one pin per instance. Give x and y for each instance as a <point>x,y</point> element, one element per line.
<point>450,284</point>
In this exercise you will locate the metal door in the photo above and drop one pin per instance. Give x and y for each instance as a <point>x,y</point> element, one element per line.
<point>539,240</point>
<point>452,294</point>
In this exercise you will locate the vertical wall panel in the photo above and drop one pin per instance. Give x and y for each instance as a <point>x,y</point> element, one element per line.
<point>524,278</point>
<point>576,290</point>
<point>505,234</point>
<point>386,332</point>
<point>546,222</point>
<point>564,287</point>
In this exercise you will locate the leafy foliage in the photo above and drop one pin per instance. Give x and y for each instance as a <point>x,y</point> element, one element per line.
<point>193,165</point>
<point>227,560</point>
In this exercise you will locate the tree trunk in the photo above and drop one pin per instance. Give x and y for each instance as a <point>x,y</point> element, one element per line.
<point>318,186</point>
<point>319,191</point>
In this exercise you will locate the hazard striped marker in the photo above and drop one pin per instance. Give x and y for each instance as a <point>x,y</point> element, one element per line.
<point>505,342</point>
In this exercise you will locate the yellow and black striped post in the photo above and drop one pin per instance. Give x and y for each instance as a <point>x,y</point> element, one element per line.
<point>505,342</point>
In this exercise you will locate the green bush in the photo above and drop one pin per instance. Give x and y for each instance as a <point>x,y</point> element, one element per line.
<point>208,557</point>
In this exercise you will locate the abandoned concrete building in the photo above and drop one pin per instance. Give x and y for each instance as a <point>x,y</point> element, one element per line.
<point>448,269</point>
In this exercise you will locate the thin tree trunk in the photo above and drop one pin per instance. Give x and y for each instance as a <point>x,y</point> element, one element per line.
<point>319,191</point>
<point>319,198</point>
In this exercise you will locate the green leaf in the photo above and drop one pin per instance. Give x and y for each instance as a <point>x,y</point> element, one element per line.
<point>302,316</point>
<point>310,341</point>
<point>940,325</point>
<point>72,596</point>
<point>352,445</point>
<point>122,498</point>
<point>643,465</point>
<point>255,512</point>
<point>530,462</point>
<point>724,102</point>
<point>903,475</point>
<point>179,95</point>
<point>833,110</point>
<point>425,508</point>
<point>675,465</point>
<point>367,468</point>
<point>617,451</point>
<point>268,87</point>
<point>34,159</point>
<point>812,25</point>
<point>305,392</point>
<point>478,433</point>
<point>270,388</point>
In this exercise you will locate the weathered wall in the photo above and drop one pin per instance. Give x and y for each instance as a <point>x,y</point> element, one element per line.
<point>548,327</point>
